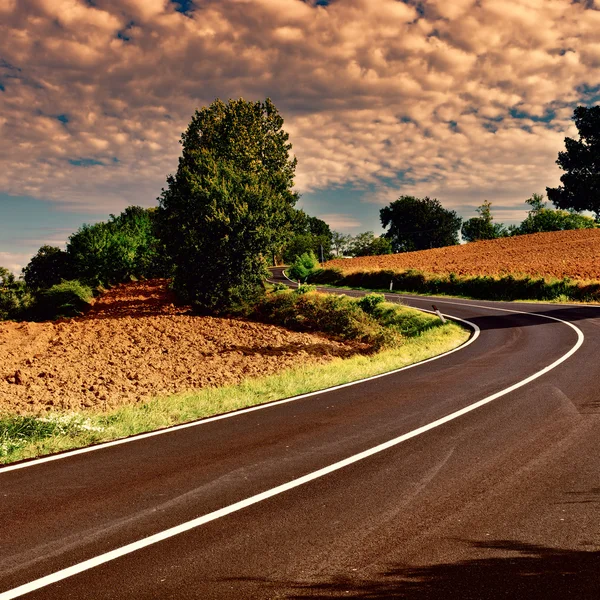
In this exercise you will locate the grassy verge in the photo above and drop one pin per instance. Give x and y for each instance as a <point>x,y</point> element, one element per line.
<point>505,287</point>
<point>26,437</point>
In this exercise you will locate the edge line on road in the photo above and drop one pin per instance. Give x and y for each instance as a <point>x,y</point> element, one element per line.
<point>187,526</point>
<point>103,445</point>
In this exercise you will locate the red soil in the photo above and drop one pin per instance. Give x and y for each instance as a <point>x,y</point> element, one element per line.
<point>136,343</point>
<point>574,254</point>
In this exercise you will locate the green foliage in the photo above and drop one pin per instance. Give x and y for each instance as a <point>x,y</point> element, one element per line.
<point>303,266</point>
<point>580,189</point>
<point>66,299</point>
<point>18,431</point>
<point>370,301</point>
<point>482,227</point>
<point>419,224</point>
<point>381,324</point>
<point>366,244</point>
<point>48,267</point>
<point>15,298</point>
<point>340,242</point>
<point>541,218</point>
<point>310,234</point>
<point>124,248</point>
<point>229,205</point>
<point>506,287</point>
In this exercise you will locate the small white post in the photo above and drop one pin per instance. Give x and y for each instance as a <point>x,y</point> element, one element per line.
<point>391,284</point>
<point>438,313</point>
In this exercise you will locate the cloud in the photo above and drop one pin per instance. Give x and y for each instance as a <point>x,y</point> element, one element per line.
<point>14,261</point>
<point>461,100</point>
<point>339,221</point>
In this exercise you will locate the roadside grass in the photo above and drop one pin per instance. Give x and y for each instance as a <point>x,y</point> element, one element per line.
<point>24,437</point>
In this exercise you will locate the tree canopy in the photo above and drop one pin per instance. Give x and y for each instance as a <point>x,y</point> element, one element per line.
<point>580,189</point>
<point>48,267</point>
<point>229,205</point>
<point>419,224</point>
<point>483,227</point>
<point>309,234</point>
<point>541,218</point>
<point>116,250</point>
<point>367,244</point>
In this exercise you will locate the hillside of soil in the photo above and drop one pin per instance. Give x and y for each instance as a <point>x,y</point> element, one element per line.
<point>574,254</point>
<point>136,343</point>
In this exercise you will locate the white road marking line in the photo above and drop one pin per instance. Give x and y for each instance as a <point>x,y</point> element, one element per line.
<point>173,531</point>
<point>143,436</point>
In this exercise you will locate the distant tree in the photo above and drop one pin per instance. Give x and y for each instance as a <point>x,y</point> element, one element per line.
<point>310,234</point>
<point>580,189</point>
<point>229,206</point>
<point>367,244</point>
<point>7,278</point>
<point>48,267</point>
<point>418,224</point>
<point>541,218</point>
<point>14,296</point>
<point>340,242</point>
<point>483,227</point>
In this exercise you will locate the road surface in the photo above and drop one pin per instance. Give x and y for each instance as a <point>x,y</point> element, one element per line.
<point>403,486</point>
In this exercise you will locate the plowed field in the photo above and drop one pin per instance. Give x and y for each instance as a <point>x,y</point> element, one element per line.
<point>136,343</point>
<point>574,254</point>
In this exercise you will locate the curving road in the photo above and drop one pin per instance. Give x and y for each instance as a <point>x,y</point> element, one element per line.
<point>475,475</point>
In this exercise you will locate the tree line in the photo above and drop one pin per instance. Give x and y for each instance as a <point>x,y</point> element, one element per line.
<point>229,210</point>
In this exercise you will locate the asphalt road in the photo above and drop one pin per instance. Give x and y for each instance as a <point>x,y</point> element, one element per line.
<point>500,502</point>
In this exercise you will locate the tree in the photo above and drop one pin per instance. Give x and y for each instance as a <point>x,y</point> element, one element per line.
<point>482,227</point>
<point>340,242</point>
<point>580,189</point>
<point>418,224</point>
<point>310,234</point>
<point>116,250</point>
<point>229,205</point>
<point>366,244</point>
<point>541,218</point>
<point>48,267</point>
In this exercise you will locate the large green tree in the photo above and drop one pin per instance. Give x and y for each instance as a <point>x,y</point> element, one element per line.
<point>483,227</point>
<point>580,189</point>
<point>229,205</point>
<point>419,224</point>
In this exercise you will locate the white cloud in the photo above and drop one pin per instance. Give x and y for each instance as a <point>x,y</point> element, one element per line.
<point>340,221</point>
<point>373,93</point>
<point>14,261</point>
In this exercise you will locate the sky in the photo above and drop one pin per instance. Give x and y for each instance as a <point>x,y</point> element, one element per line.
<point>459,100</point>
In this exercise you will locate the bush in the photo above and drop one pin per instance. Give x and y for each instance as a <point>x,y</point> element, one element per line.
<point>344,317</point>
<point>303,266</point>
<point>370,301</point>
<point>66,299</point>
<point>485,287</point>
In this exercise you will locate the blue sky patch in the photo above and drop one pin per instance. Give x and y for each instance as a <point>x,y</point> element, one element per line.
<point>63,119</point>
<point>183,6</point>
<point>85,162</point>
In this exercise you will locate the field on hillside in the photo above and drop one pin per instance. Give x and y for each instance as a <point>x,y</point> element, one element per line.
<point>136,343</point>
<point>574,254</point>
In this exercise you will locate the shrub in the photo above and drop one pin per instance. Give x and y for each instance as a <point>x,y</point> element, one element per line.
<point>303,266</point>
<point>343,317</point>
<point>66,299</point>
<point>370,301</point>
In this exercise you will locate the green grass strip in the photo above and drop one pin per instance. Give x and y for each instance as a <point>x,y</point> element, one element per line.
<point>26,437</point>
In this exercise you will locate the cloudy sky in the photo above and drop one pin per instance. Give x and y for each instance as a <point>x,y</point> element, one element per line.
<point>463,100</point>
